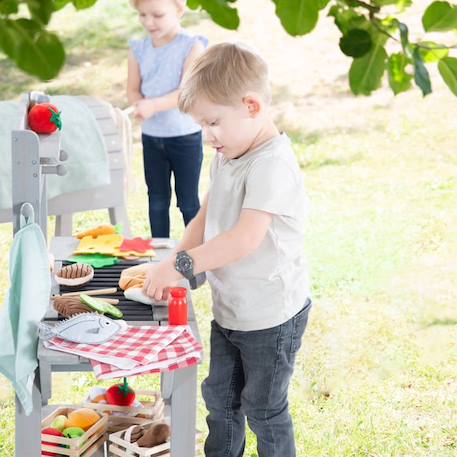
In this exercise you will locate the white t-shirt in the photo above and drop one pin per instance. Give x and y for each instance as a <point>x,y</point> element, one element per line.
<point>269,286</point>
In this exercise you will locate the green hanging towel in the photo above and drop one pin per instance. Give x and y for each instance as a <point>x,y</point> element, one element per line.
<point>25,305</point>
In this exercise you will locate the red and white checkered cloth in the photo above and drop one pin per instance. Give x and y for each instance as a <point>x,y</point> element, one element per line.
<point>136,349</point>
<point>185,351</point>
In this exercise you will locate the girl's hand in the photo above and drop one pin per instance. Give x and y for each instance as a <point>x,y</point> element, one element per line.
<point>161,276</point>
<point>144,109</point>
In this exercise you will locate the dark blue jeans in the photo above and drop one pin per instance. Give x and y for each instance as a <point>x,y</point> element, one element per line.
<point>183,156</point>
<point>249,378</point>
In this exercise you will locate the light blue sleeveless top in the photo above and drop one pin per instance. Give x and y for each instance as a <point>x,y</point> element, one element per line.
<point>161,72</point>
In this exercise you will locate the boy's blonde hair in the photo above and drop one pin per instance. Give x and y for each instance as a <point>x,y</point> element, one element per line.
<point>224,74</point>
<point>179,3</point>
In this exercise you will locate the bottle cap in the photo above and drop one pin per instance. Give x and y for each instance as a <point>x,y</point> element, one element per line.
<point>178,292</point>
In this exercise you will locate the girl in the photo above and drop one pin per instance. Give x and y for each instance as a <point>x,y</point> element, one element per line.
<point>172,141</point>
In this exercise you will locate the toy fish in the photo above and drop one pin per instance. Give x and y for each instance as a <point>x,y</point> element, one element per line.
<point>90,328</point>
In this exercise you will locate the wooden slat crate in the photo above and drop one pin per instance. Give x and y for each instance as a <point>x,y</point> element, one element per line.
<point>152,410</point>
<point>118,447</point>
<point>84,446</point>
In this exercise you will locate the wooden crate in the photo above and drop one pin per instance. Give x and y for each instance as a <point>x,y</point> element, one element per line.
<point>84,446</point>
<point>152,410</point>
<point>118,447</point>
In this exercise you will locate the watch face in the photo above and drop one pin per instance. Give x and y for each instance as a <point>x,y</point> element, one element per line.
<point>184,264</point>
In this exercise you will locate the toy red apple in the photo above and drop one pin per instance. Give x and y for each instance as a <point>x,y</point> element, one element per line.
<point>44,118</point>
<point>54,432</point>
<point>120,394</point>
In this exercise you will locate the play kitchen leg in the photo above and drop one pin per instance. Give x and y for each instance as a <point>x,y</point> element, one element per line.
<point>28,440</point>
<point>183,403</point>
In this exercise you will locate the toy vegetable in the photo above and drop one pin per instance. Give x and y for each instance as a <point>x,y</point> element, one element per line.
<point>120,394</point>
<point>44,118</point>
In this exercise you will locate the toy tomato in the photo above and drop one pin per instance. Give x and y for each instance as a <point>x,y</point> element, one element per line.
<point>120,395</point>
<point>44,118</point>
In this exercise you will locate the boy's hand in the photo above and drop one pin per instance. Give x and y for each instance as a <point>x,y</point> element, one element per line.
<point>144,109</point>
<point>161,276</point>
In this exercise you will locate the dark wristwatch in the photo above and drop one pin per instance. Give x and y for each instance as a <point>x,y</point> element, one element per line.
<point>184,264</point>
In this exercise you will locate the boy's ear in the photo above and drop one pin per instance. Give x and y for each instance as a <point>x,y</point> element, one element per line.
<point>253,105</point>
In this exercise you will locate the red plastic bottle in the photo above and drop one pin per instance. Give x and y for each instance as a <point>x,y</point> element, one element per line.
<point>177,306</point>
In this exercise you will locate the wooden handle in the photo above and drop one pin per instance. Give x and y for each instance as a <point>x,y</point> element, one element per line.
<point>112,290</point>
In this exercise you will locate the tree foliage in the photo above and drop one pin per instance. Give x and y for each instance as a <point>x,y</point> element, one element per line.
<point>371,35</point>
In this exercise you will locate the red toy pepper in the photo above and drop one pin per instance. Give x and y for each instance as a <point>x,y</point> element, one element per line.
<point>44,118</point>
<point>120,395</point>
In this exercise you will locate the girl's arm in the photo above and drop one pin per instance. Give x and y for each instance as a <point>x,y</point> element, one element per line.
<point>146,108</point>
<point>133,80</point>
<point>228,247</point>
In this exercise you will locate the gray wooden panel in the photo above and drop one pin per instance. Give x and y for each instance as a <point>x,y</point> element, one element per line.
<point>111,195</point>
<point>107,126</point>
<point>116,161</point>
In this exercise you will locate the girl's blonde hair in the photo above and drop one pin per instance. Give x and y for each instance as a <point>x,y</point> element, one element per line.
<point>179,3</point>
<point>224,74</point>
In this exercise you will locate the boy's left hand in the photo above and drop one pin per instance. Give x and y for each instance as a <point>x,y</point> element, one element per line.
<point>161,276</point>
<point>144,109</point>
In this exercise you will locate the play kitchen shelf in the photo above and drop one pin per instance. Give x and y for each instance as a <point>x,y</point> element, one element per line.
<point>31,163</point>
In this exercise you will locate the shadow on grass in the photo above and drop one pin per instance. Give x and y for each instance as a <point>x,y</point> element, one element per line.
<point>441,322</point>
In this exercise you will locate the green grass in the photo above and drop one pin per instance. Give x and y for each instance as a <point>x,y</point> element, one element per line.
<point>377,373</point>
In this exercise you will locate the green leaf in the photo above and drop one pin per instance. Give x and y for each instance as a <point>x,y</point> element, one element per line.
<point>8,39</point>
<point>83,4</point>
<point>434,53</point>
<point>36,51</point>
<point>193,4</point>
<point>221,13</point>
<point>41,10</point>
<point>321,4</point>
<point>401,4</point>
<point>448,70</point>
<point>8,7</point>
<point>298,17</point>
<point>421,75</point>
<point>346,19</point>
<point>59,4</point>
<point>356,43</point>
<point>366,72</point>
<point>440,17</point>
<point>404,35</point>
<point>399,79</point>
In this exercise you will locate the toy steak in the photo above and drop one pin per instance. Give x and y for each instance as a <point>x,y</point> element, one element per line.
<point>90,328</point>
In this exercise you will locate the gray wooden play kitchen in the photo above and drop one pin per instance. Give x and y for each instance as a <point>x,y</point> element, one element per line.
<point>33,158</point>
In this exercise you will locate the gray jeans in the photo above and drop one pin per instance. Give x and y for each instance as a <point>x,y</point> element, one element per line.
<point>249,378</point>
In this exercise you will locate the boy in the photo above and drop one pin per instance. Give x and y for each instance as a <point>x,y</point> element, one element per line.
<point>248,238</point>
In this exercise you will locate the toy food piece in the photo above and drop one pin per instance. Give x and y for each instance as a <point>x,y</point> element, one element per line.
<point>95,260</point>
<point>44,118</point>
<point>134,433</point>
<point>70,306</point>
<point>100,230</point>
<point>120,394</point>
<point>155,435</point>
<point>83,418</point>
<point>137,294</point>
<point>89,328</point>
<point>54,432</point>
<point>73,432</point>
<point>59,423</point>
<point>101,306</point>
<point>134,276</point>
<point>75,274</point>
<point>97,395</point>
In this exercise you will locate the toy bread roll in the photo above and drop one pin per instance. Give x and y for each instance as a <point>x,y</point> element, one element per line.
<point>75,274</point>
<point>155,435</point>
<point>134,276</point>
<point>69,306</point>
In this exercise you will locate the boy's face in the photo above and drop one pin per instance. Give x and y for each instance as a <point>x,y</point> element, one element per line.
<point>159,17</point>
<point>230,130</point>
